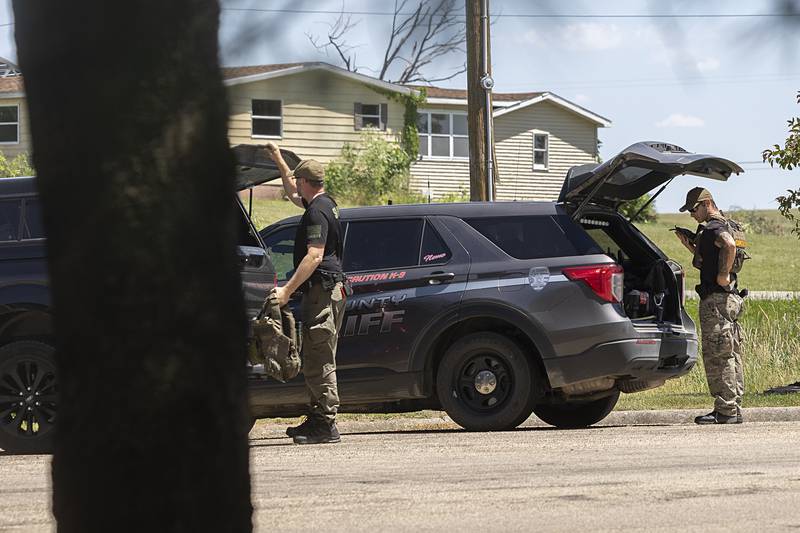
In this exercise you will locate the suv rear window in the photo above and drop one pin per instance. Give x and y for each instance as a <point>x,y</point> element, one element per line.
<point>534,237</point>
<point>382,244</point>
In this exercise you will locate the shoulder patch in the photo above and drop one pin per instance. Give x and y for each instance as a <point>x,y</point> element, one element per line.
<point>314,232</point>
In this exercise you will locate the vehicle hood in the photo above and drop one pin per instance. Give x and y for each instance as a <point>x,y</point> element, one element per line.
<point>254,167</point>
<point>637,170</point>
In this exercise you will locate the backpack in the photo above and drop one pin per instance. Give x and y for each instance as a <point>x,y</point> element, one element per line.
<point>737,232</point>
<point>273,341</point>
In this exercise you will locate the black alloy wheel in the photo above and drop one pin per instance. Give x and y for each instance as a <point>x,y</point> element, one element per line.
<point>28,397</point>
<point>485,382</point>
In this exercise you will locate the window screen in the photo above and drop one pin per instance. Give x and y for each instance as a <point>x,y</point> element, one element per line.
<point>381,245</point>
<point>529,237</point>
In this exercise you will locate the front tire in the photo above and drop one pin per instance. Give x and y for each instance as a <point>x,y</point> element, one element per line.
<point>574,415</point>
<point>28,397</point>
<point>485,382</point>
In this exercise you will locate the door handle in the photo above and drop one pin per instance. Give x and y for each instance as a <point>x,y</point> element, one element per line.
<point>435,278</point>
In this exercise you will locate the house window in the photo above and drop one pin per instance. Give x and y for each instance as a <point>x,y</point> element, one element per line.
<point>541,144</point>
<point>370,116</point>
<point>9,124</point>
<point>443,135</point>
<point>267,119</point>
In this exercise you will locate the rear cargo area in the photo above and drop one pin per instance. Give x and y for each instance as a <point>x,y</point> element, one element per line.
<point>653,284</point>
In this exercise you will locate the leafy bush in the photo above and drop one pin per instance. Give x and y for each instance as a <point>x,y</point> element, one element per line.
<point>629,209</point>
<point>19,166</point>
<point>370,173</point>
<point>451,197</point>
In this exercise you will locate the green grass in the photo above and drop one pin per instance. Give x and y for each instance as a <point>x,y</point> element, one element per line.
<point>775,263</point>
<point>771,356</point>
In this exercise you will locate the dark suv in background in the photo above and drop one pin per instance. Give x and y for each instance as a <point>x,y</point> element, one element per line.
<point>494,311</point>
<point>28,381</point>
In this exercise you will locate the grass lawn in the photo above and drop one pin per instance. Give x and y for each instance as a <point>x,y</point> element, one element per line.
<point>775,263</point>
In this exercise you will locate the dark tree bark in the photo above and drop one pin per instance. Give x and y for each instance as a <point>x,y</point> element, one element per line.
<point>129,122</point>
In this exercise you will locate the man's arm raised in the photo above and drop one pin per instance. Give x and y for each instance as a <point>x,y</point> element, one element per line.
<point>289,185</point>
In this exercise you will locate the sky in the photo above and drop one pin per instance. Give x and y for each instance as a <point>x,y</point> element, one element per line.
<point>696,74</point>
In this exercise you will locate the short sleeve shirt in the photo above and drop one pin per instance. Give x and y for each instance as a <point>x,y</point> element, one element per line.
<point>320,225</point>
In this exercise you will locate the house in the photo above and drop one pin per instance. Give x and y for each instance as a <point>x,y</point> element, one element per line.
<point>315,108</point>
<point>15,134</point>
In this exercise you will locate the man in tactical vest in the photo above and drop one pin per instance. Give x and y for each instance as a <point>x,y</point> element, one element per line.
<point>714,250</point>
<point>318,271</point>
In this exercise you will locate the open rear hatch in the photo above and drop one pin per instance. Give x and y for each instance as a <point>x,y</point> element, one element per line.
<point>254,167</point>
<point>635,171</point>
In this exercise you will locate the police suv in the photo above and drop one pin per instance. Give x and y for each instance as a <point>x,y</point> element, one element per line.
<point>494,311</point>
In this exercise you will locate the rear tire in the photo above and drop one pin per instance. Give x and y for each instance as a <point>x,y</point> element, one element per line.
<point>574,415</point>
<point>28,397</point>
<point>485,382</point>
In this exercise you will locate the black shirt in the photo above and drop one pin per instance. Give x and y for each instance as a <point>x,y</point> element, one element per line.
<point>709,252</point>
<point>320,225</point>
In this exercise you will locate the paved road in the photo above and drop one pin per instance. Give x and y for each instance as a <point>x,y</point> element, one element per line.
<point>425,475</point>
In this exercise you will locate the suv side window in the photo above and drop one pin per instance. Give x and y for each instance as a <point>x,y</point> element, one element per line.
<point>32,226</point>
<point>280,247</point>
<point>9,220</point>
<point>382,244</point>
<point>433,251</point>
<point>527,237</point>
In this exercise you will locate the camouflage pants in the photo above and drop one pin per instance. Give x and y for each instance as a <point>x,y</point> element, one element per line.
<point>722,355</point>
<point>322,313</point>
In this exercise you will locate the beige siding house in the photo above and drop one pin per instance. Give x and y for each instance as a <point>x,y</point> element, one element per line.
<point>313,109</point>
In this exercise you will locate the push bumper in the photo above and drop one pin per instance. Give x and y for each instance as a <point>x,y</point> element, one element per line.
<point>640,358</point>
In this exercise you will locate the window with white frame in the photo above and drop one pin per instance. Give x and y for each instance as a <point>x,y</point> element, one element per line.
<point>370,116</point>
<point>9,124</point>
<point>443,135</point>
<point>541,144</point>
<point>267,118</point>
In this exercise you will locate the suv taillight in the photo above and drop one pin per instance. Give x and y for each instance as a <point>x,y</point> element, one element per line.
<point>605,280</point>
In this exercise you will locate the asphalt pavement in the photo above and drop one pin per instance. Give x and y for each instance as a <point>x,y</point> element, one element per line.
<point>643,470</point>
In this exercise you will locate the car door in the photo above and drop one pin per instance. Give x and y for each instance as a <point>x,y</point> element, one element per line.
<point>406,274</point>
<point>258,274</point>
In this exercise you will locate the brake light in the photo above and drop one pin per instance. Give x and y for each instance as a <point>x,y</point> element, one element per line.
<point>605,280</point>
<point>682,275</point>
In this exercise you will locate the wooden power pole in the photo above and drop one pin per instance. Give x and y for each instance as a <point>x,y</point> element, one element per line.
<point>479,103</point>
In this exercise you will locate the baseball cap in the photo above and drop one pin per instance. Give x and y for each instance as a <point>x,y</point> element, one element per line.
<point>694,197</point>
<point>309,170</point>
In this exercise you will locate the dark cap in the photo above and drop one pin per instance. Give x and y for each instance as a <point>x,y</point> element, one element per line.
<point>694,197</point>
<point>309,170</point>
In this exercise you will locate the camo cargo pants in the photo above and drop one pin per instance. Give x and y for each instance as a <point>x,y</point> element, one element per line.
<point>722,355</point>
<point>322,313</point>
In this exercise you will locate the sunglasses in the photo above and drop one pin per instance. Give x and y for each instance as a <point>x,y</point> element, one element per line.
<point>695,208</point>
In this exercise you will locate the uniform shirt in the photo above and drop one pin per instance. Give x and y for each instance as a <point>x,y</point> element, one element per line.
<point>320,225</point>
<point>709,252</point>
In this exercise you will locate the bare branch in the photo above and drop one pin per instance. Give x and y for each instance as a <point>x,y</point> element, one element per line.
<point>336,41</point>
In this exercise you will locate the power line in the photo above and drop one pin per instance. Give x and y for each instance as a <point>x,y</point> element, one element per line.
<point>523,15</point>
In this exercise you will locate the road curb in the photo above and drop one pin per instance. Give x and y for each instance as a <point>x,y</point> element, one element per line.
<point>686,416</point>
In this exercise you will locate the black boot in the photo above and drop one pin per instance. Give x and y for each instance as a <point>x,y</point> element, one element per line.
<point>718,418</point>
<point>319,431</point>
<point>301,428</point>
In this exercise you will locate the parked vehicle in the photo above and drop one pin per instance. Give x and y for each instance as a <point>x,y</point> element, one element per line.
<point>28,380</point>
<point>496,311</point>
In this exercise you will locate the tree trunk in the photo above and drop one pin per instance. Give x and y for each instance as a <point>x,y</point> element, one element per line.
<point>476,106</point>
<point>129,122</point>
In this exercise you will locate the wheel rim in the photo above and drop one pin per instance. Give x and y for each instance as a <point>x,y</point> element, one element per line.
<point>27,397</point>
<point>484,382</point>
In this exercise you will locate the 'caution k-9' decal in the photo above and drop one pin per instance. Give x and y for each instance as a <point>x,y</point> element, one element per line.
<point>378,276</point>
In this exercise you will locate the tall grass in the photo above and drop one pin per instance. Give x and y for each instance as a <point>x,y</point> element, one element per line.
<point>771,357</point>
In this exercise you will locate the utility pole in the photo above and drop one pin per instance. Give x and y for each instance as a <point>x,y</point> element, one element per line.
<point>479,102</point>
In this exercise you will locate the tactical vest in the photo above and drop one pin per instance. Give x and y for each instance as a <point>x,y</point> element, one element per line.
<point>273,341</point>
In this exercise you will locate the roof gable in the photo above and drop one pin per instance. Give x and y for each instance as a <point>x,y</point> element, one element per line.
<point>240,75</point>
<point>557,100</point>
